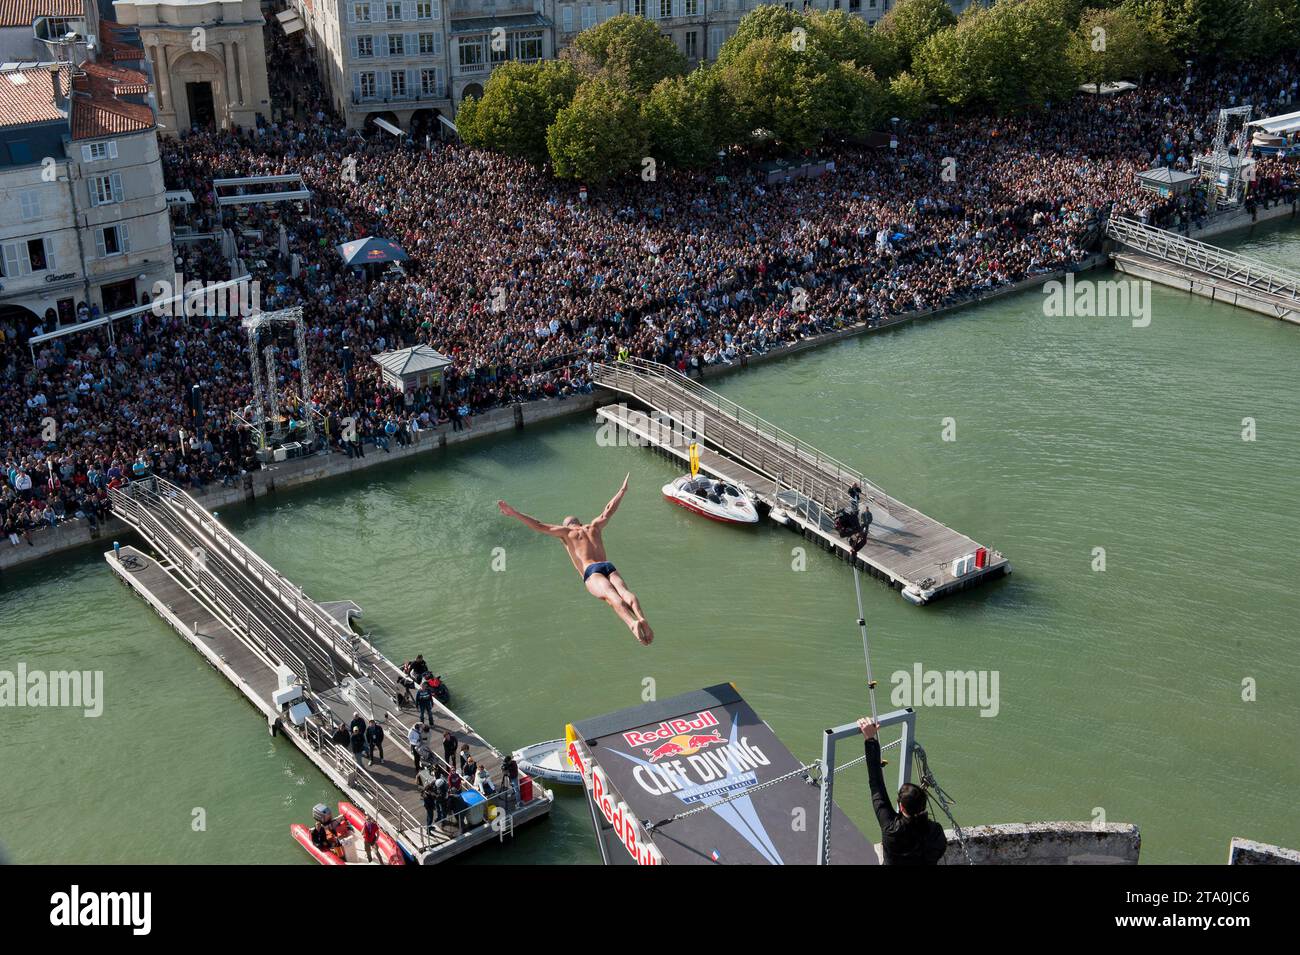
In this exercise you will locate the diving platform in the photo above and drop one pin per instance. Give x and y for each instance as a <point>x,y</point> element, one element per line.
<point>801,487</point>
<point>305,668</point>
<point>1188,265</point>
<point>701,779</point>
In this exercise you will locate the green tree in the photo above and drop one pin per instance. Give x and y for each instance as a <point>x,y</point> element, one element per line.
<point>850,39</point>
<point>1198,29</point>
<point>687,119</point>
<point>766,22</point>
<point>911,23</point>
<point>1009,56</point>
<point>628,51</point>
<point>1272,28</point>
<point>800,95</point>
<point>908,96</point>
<point>599,135</point>
<point>519,102</point>
<point>1112,45</point>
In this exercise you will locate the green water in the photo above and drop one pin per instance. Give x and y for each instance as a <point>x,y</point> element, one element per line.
<point>1118,690</point>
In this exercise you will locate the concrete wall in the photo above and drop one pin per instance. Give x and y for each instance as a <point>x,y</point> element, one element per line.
<point>1247,852</point>
<point>1047,843</point>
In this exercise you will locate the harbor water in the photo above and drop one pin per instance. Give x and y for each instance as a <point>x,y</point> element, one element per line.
<point>1145,649</point>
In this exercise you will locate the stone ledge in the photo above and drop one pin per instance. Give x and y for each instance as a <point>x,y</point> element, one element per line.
<point>1047,843</point>
<point>1248,852</point>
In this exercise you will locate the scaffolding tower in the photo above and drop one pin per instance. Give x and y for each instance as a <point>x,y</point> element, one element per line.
<point>1226,169</point>
<point>268,425</point>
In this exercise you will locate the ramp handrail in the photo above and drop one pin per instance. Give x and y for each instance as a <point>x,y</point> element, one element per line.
<point>825,479</point>
<point>149,526</point>
<point>1172,247</point>
<point>327,631</point>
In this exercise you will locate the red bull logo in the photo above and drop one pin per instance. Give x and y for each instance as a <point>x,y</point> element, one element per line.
<point>670,729</point>
<point>682,745</point>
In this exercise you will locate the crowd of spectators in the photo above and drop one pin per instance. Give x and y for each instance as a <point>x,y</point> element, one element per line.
<point>522,280</point>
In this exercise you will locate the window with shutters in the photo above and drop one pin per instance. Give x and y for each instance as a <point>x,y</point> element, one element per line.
<point>424,9</point>
<point>396,44</point>
<point>665,9</point>
<point>692,44</point>
<point>105,190</point>
<point>99,151</point>
<point>397,82</point>
<point>426,43</point>
<point>31,204</point>
<point>638,8</point>
<point>38,255</point>
<point>361,11</point>
<point>567,16</point>
<point>430,82</point>
<point>112,240</point>
<point>368,87</point>
<point>588,17</point>
<point>365,46</point>
<point>13,260</point>
<point>393,9</point>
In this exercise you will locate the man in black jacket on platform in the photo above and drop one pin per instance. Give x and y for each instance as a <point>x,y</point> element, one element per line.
<point>909,836</point>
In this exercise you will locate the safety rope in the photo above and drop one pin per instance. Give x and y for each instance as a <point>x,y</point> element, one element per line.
<point>930,786</point>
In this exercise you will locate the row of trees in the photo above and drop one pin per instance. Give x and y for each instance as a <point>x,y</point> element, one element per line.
<point>622,97</point>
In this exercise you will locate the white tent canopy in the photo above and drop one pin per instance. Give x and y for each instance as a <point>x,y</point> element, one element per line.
<point>1278,125</point>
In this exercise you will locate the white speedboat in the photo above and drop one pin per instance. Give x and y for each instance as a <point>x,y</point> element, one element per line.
<point>716,500</point>
<point>548,761</point>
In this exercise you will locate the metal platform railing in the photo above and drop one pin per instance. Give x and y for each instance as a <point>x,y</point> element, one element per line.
<point>791,463</point>
<point>326,640</point>
<point>219,598</point>
<point>1220,263</point>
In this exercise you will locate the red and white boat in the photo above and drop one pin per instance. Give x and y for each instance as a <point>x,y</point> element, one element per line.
<point>716,500</point>
<point>347,827</point>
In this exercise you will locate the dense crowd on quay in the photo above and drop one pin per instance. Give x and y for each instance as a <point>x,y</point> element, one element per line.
<point>522,280</point>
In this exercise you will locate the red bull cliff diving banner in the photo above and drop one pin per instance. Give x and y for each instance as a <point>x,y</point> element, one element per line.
<point>681,781</point>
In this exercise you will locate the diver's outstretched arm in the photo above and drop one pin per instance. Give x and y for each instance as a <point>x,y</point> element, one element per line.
<point>603,518</point>
<point>553,529</point>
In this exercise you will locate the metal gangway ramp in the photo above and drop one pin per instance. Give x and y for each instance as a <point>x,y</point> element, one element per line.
<point>1207,270</point>
<point>268,638</point>
<point>803,486</point>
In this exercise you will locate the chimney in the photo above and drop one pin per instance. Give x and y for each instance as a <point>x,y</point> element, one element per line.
<point>56,82</point>
<point>80,81</point>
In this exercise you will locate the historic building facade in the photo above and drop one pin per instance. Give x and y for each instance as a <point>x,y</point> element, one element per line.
<point>84,226</point>
<point>208,60</point>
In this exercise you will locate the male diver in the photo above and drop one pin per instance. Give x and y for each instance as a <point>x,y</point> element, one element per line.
<point>587,551</point>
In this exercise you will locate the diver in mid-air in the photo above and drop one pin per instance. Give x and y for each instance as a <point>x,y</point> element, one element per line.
<point>587,551</point>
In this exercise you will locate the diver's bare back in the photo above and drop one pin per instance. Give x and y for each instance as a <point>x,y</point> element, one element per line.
<point>584,546</point>
<point>586,549</point>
